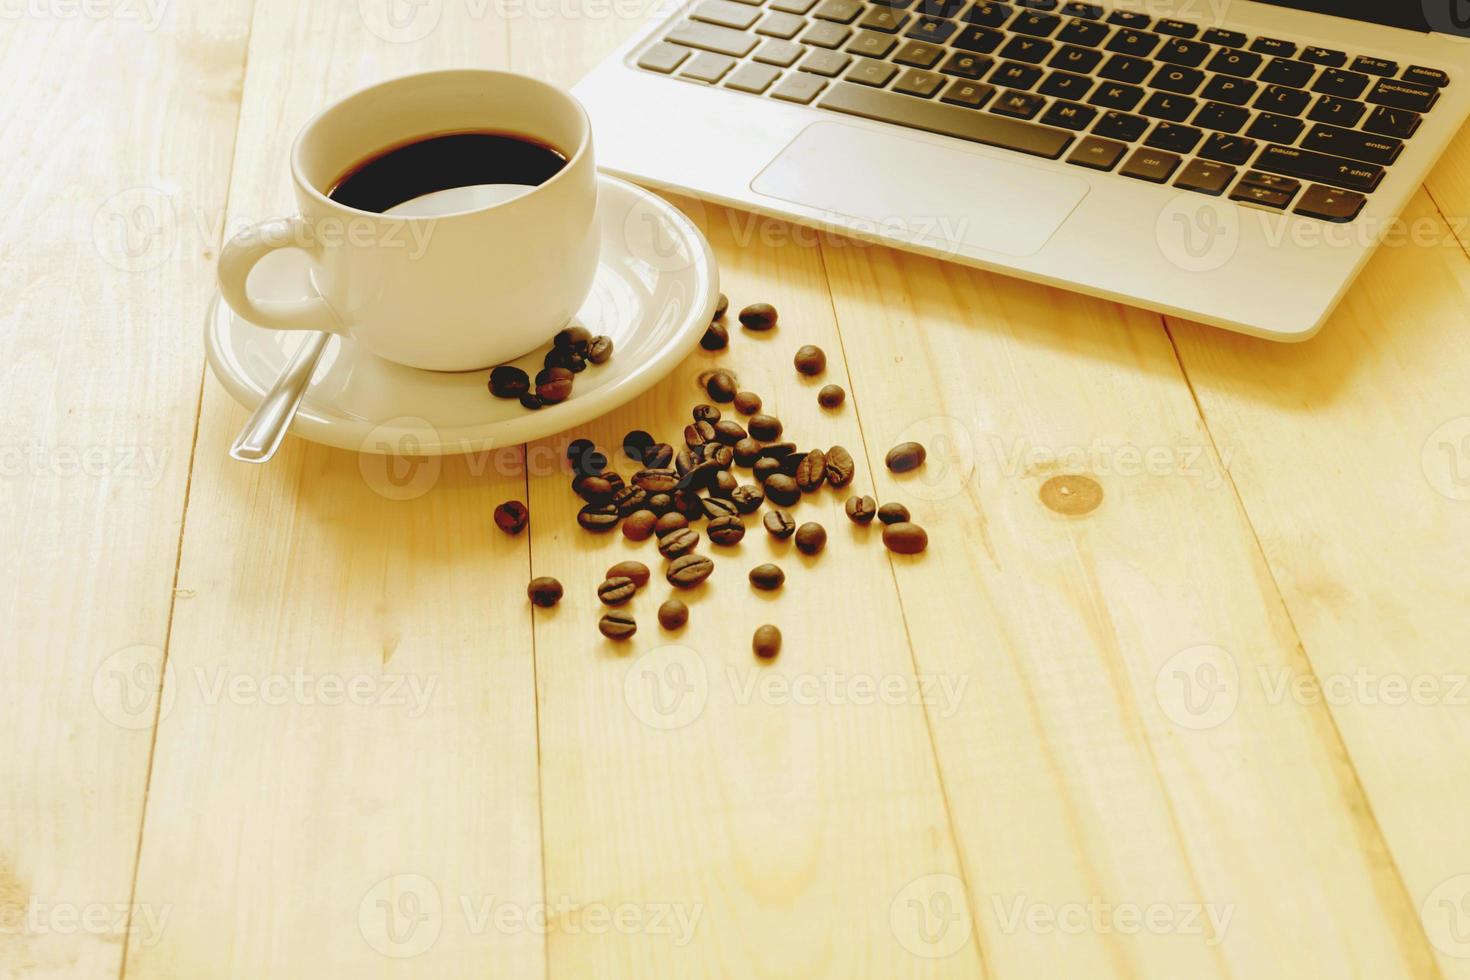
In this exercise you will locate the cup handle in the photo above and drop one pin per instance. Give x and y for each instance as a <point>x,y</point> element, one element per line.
<point>240,255</point>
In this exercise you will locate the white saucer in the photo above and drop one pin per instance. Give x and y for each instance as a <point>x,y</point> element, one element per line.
<point>654,295</point>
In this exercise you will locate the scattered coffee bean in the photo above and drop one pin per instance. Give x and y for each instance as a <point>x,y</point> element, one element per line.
<point>598,517</point>
<point>840,467</point>
<point>747,402</point>
<point>687,571</point>
<point>572,337</point>
<point>779,524</point>
<point>706,413</point>
<point>617,625</point>
<point>721,455</point>
<point>635,570</point>
<point>767,577</point>
<point>670,522</point>
<point>905,456</point>
<point>656,481</point>
<point>722,386</point>
<point>593,489</point>
<point>729,432</point>
<point>531,400</point>
<point>511,517</point>
<point>616,591</point>
<point>779,450</point>
<point>508,381</point>
<point>905,538</point>
<point>716,337</point>
<point>687,502</point>
<point>893,513</point>
<point>701,477</point>
<point>600,350</point>
<point>684,463</point>
<point>765,427</point>
<point>782,490</point>
<point>590,463</point>
<point>679,542</point>
<point>629,499</point>
<point>831,396</point>
<point>659,457</point>
<point>810,359</point>
<point>554,385</point>
<point>811,471</point>
<point>748,498</point>
<point>636,445</point>
<point>747,451</point>
<point>544,591</point>
<point>673,614</point>
<point>860,510</point>
<point>659,503</point>
<point>758,316</point>
<point>638,525</point>
<point>727,529</point>
<point>563,357</point>
<point>721,305</point>
<point>697,434</point>
<point>767,642</point>
<point>765,467</point>
<point>715,507</point>
<point>790,464</point>
<point>725,485</point>
<point>811,538</point>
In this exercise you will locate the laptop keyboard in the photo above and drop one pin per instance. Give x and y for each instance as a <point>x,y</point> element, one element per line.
<point>1263,121</point>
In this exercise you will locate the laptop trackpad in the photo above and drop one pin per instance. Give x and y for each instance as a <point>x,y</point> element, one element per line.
<point>931,196</point>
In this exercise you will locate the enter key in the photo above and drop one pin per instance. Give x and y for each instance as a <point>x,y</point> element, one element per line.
<point>1354,145</point>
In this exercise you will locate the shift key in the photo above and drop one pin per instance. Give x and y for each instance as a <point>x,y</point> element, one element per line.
<point>1319,167</point>
<point>933,117</point>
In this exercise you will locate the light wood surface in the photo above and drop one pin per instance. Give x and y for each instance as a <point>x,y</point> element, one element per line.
<point>299,720</point>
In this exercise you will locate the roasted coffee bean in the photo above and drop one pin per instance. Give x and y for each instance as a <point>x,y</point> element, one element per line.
<point>572,360</point>
<point>905,456</point>
<point>613,480</point>
<point>636,445</point>
<point>600,350</point>
<point>728,529</point>
<point>724,485</point>
<point>670,522</point>
<point>716,337</point>
<point>688,503</point>
<point>767,577</point>
<point>616,591</point>
<point>782,490</point>
<point>831,396</point>
<point>702,477</point>
<point>509,381</point>
<point>656,481</point>
<point>706,413</point>
<point>790,464</point>
<point>572,337</point>
<point>765,467</point>
<point>554,385</point>
<point>544,591</point>
<point>673,614</point>
<point>721,305</point>
<point>893,513</point>
<point>685,461</point>
<point>593,489</point>
<point>617,625</point>
<point>578,448</point>
<point>747,402</point>
<point>779,524</point>
<point>767,642</point>
<point>810,359</point>
<point>747,451</point>
<point>728,432</point>
<point>511,517</point>
<point>765,427</point>
<point>721,456</point>
<point>687,571</point>
<point>629,499</point>
<point>695,436</point>
<point>780,450</point>
<point>679,542</point>
<point>840,467</point>
<point>860,510</point>
<point>811,538</point>
<point>719,507</point>
<point>722,386</point>
<point>531,400</point>
<point>811,471</point>
<point>758,316</point>
<point>590,463</point>
<point>635,570</point>
<point>638,525</point>
<point>748,498</point>
<point>659,503</point>
<point>659,456</point>
<point>905,538</point>
<point>598,517</point>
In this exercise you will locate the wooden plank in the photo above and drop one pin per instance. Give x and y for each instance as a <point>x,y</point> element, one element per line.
<point>1114,766</point>
<point>350,823</point>
<point>100,267</point>
<point>1351,454</point>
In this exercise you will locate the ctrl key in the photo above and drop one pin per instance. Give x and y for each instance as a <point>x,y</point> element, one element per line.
<point>1330,204</point>
<point>1154,166</point>
<point>1096,153</point>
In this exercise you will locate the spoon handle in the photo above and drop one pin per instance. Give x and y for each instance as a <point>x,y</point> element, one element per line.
<point>267,426</point>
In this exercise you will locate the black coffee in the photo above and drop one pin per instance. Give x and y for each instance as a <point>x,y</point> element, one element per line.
<point>439,163</point>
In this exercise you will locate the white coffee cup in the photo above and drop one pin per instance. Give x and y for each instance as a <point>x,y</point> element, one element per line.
<point>477,286</point>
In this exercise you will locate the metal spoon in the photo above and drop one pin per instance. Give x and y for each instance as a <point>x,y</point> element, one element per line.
<point>267,426</point>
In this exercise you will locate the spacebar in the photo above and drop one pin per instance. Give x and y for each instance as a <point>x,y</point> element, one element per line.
<point>947,120</point>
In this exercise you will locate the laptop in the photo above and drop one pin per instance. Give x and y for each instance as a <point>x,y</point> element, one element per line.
<point>1227,161</point>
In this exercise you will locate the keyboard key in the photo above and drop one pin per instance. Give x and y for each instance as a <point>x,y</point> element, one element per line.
<point>1432,77</point>
<point>1282,71</point>
<point>709,37</point>
<point>1343,84</point>
<point>1234,91</point>
<point>1399,123</point>
<point>780,25</point>
<point>932,30</point>
<point>792,6</point>
<point>896,4</point>
<point>1121,126</point>
<point>1275,129</point>
<point>1353,145</point>
<point>1036,25</point>
<point>961,92</point>
<point>1065,85</point>
<point>725,13</point>
<point>986,14</point>
<point>1091,11</point>
<point>825,35</point>
<point>1012,75</point>
<point>871,44</point>
<point>1338,112</point>
<point>1228,149</point>
<point>1038,4</point>
<point>752,77</point>
<point>1069,115</point>
<point>1323,56</point>
<point>939,9</point>
<point>1222,118</point>
<point>1229,39</point>
<point>663,57</point>
<point>828,63</point>
<point>1122,68</point>
<point>838,11</point>
<point>1404,95</point>
<point>921,83</point>
<point>1273,46</point>
<point>1070,57</point>
<point>870,72</point>
<point>1021,105</point>
<point>1097,154</point>
<point>1181,81</point>
<point>1128,18</point>
<point>1154,166</point>
<point>1086,33</point>
<point>883,19</point>
<point>1029,49</point>
<point>1266,197</point>
<point>781,53</point>
<point>1287,185</point>
<point>966,65</point>
<point>919,54</point>
<point>1282,100</point>
<point>707,67</point>
<point>1111,96</point>
<point>1376,66</point>
<point>1175,108</point>
<point>1205,177</point>
<point>1242,64</point>
<point>1190,54</point>
<point>801,87</point>
<point>947,120</point>
<point>1320,168</point>
<point>978,39</point>
<point>1330,204</point>
<point>1178,139</point>
<point>1139,44</point>
<point>1176,28</point>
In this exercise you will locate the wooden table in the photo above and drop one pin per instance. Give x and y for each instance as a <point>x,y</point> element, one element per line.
<point>297,720</point>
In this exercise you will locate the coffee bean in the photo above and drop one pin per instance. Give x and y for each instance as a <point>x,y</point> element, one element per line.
<point>810,359</point>
<point>688,503</point>
<point>531,401</point>
<point>905,538</point>
<point>721,455</point>
<point>765,467</point>
<point>860,510</point>
<point>598,517</point>
<point>638,525</point>
<point>613,480</point>
<point>790,464</point>
<point>511,517</point>
<point>831,396</point>
<point>635,570</point>
<point>767,577</point>
<point>660,456</point>
<point>673,614</point>
<point>747,402</point>
<point>716,337</point>
<point>811,471</point>
<point>767,642</point>
<point>893,513</point>
<point>715,507</point>
<point>725,485</point>
<point>554,385</point>
<point>721,305</point>
<point>659,503</point>
<point>679,542</point>
<point>840,467</point>
<point>747,451</point>
<point>684,463</point>
<point>765,427</point>
<point>571,337</point>
<point>629,499</point>
<point>617,625</point>
<point>593,489</point>
<point>780,450</point>
<point>590,463</point>
<point>702,477</point>
<point>905,456</point>
<point>706,413</point>
<point>573,360</point>
<point>782,490</point>
<point>600,350</point>
<point>669,522</point>
<point>758,316</point>
<point>779,524</point>
<point>698,433</point>
<point>656,481</point>
<point>616,591</point>
<point>687,571</point>
<point>509,381</point>
<point>748,498</point>
<point>544,591</point>
<point>577,448</point>
<point>811,538</point>
<point>636,444</point>
<point>727,529</point>
<point>722,386</point>
<point>728,431</point>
